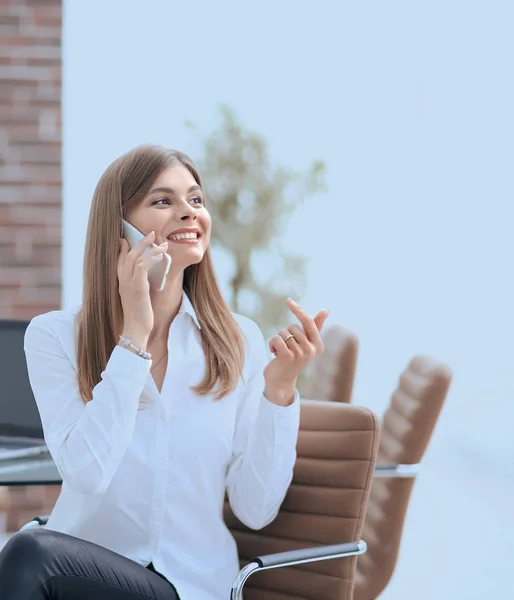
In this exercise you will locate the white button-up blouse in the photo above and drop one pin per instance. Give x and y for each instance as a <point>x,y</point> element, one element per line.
<point>145,473</point>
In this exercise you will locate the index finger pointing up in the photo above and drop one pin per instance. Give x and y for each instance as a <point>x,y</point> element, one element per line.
<point>309,326</point>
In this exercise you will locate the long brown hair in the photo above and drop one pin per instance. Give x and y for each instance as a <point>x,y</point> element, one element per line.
<point>124,184</point>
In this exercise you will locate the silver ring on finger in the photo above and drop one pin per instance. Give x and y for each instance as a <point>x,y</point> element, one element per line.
<point>290,336</point>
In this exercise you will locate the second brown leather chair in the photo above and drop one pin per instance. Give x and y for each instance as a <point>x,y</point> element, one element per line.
<point>407,427</point>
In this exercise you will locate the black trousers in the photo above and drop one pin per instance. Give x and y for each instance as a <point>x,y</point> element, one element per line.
<point>40,564</point>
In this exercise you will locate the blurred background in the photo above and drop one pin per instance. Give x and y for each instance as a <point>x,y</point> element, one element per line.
<point>358,157</point>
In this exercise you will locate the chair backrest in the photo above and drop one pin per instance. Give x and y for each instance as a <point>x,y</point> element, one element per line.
<point>331,375</point>
<point>407,427</point>
<point>19,415</point>
<point>325,504</point>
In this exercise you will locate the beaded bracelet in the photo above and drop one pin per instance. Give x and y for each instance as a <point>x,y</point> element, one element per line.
<point>128,344</point>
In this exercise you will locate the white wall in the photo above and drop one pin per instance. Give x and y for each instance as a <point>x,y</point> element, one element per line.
<point>410,104</point>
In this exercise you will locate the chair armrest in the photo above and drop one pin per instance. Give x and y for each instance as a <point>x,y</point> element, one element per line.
<point>293,557</point>
<point>296,557</point>
<point>396,471</point>
<point>36,522</point>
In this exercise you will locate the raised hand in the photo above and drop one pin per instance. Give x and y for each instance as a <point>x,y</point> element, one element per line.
<point>294,348</point>
<point>133,267</point>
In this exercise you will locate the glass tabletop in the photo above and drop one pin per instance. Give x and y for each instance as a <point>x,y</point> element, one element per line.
<point>29,470</point>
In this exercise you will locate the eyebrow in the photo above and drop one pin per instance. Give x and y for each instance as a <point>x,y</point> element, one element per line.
<point>167,190</point>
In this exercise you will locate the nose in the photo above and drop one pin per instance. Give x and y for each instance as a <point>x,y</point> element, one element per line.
<point>187,213</point>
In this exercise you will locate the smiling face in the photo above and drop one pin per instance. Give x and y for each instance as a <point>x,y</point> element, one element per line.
<point>174,208</point>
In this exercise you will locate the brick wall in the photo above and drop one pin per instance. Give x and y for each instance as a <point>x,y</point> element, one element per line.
<point>30,183</point>
<point>30,157</point>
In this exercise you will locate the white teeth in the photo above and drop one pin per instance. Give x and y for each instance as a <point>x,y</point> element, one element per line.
<point>184,236</point>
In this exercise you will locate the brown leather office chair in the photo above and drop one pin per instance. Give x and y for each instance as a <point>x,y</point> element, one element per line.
<point>407,427</point>
<point>331,375</point>
<point>325,505</point>
<point>321,517</point>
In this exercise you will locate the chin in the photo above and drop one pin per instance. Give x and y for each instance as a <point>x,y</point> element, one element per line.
<point>198,260</point>
<point>191,260</point>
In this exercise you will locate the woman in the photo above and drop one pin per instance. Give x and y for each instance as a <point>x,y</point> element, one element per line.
<point>149,435</point>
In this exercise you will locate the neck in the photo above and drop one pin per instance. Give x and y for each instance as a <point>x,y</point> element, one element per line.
<point>166,305</point>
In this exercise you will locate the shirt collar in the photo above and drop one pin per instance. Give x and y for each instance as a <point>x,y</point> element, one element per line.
<point>187,307</point>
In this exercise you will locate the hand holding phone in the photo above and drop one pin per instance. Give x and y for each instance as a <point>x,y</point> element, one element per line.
<point>157,273</point>
<point>134,263</point>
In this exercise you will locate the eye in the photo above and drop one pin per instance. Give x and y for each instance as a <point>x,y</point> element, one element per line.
<point>160,200</point>
<point>198,199</point>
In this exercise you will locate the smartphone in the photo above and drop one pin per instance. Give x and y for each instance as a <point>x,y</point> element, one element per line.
<point>159,272</point>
